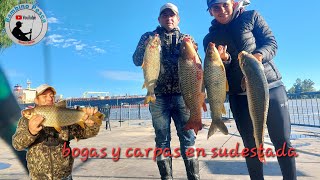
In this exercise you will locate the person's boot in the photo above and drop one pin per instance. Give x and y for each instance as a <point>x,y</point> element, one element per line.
<point>192,168</point>
<point>165,168</point>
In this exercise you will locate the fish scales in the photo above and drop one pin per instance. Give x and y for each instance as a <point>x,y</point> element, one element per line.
<point>191,83</point>
<point>57,116</point>
<point>151,67</point>
<point>256,85</point>
<point>216,87</point>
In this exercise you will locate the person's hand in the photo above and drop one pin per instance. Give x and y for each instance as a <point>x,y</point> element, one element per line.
<point>89,111</point>
<point>35,124</point>
<point>223,52</point>
<point>258,56</point>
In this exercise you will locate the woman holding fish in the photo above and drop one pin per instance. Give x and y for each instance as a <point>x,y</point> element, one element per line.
<point>257,95</point>
<point>45,131</point>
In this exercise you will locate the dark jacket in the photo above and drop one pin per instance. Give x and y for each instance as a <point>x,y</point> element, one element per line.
<point>247,32</point>
<point>168,80</point>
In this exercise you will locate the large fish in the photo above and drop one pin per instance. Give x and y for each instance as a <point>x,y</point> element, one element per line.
<point>151,67</point>
<point>10,114</point>
<point>216,85</point>
<point>191,83</point>
<point>58,115</point>
<point>256,85</point>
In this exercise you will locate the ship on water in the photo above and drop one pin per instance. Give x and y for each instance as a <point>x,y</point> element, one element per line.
<point>25,97</point>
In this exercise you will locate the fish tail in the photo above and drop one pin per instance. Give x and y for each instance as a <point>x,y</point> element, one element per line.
<point>261,156</point>
<point>211,131</point>
<point>97,120</point>
<point>149,98</point>
<point>204,106</point>
<point>222,127</point>
<point>215,125</point>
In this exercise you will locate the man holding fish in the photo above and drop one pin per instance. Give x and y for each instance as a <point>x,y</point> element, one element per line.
<point>164,92</point>
<point>44,131</point>
<point>257,95</point>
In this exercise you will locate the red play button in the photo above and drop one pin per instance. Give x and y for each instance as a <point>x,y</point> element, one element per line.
<point>18,17</point>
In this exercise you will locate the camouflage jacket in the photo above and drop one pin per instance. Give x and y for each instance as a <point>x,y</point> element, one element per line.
<point>168,80</point>
<point>44,151</point>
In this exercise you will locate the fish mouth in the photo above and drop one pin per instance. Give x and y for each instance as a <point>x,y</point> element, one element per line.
<point>186,39</point>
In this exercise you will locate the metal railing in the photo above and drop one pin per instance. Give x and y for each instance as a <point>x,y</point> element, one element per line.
<point>304,111</point>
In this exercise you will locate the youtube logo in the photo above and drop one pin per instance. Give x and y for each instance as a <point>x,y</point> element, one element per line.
<point>18,17</point>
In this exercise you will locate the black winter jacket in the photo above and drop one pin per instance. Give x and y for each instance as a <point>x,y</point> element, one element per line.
<point>168,81</point>
<point>247,32</point>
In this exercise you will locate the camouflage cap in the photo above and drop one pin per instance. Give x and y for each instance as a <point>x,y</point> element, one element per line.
<point>40,89</point>
<point>171,6</point>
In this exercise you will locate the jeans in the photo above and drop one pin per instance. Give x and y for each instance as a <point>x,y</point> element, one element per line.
<point>165,108</point>
<point>279,127</point>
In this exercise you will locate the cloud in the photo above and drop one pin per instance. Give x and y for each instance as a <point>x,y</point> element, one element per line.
<point>122,75</point>
<point>53,20</point>
<point>80,47</point>
<point>64,37</point>
<point>54,39</point>
<point>98,50</point>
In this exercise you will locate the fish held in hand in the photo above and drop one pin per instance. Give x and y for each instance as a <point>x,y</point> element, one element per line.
<point>256,85</point>
<point>191,83</point>
<point>151,67</point>
<point>58,115</point>
<point>216,86</point>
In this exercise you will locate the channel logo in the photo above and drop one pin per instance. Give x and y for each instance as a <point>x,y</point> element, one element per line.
<point>18,17</point>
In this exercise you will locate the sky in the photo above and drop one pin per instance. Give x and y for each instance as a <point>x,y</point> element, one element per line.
<point>89,44</point>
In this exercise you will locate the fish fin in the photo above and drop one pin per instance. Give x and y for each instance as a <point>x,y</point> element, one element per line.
<point>149,98</point>
<point>142,65</point>
<point>196,125</point>
<point>211,131</point>
<point>57,128</point>
<point>81,123</point>
<point>222,127</point>
<point>144,85</point>
<point>204,106</point>
<point>243,83</point>
<point>222,67</point>
<point>223,109</point>
<point>227,86</point>
<point>62,103</point>
<point>97,120</point>
<point>217,125</point>
<point>98,117</point>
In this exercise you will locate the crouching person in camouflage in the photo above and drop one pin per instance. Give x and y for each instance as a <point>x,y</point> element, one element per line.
<point>45,145</point>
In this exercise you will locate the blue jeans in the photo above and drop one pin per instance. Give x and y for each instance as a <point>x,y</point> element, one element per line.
<point>165,108</point>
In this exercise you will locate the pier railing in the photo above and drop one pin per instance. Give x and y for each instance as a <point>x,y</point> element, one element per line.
<point>304,109</point>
